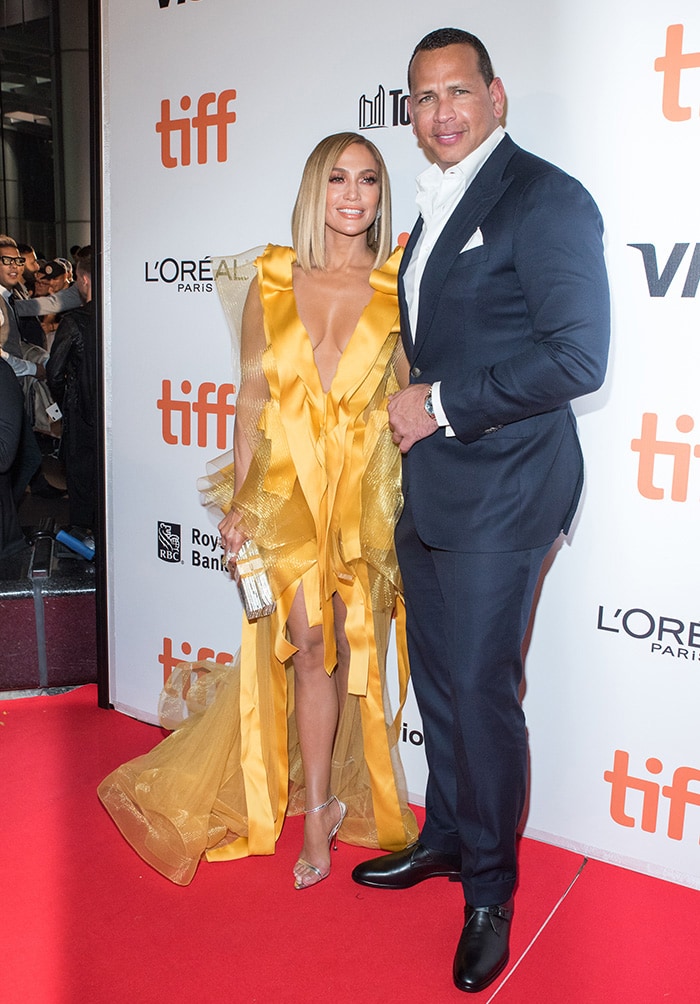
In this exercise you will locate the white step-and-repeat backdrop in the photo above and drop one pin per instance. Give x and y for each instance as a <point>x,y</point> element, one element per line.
<point>210,110</point>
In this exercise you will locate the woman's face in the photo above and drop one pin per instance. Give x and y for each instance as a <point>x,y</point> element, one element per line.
<point>353,193</point>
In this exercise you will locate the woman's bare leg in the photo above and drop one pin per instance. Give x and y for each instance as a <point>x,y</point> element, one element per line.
<point>316,706</point>
<point>342,671</point>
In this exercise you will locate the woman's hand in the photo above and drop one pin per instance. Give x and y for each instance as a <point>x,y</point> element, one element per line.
<point>232,538</point>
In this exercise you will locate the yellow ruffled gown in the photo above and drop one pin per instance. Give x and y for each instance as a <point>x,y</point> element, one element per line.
<point>321,500</point>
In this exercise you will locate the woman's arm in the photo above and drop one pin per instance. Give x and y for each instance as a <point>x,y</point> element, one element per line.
<point>252,391</point>
<point>401,365</point>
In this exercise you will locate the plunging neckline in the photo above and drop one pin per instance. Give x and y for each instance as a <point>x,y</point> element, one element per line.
<point>307,336</point>
<point>289,342</point>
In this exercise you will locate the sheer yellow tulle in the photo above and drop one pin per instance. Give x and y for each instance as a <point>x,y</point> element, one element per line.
<point>321,499</point>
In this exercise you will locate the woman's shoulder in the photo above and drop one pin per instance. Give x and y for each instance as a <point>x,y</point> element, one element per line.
<point>275,266</point>
<point>385,277</point>
<point>278,251</point>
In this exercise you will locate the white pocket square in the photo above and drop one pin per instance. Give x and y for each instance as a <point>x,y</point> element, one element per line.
<point>475,241</point>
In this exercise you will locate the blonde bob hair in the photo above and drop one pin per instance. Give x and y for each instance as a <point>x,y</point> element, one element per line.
<point>308,218</point>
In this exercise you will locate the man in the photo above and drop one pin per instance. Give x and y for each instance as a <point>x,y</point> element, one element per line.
<point>31,330</point>
<point>11,272</point>
<point>11,420</point>
<point>41,282</point>
<point>505,319</point>
<point>29,271</point>
<point>57,274</point>
<point>16,353</point>
<point>71,373</point>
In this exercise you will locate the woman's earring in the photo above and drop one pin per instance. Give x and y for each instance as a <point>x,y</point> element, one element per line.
<point>375,237</point>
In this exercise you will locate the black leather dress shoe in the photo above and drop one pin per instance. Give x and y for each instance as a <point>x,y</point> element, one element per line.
<point>482,952</point>
<point>408,867</point>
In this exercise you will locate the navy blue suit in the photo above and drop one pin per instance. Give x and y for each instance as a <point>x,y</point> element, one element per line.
<point>11,423</point>
<point>513,329</point>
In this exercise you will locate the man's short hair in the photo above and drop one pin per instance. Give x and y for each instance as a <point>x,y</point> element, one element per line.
<point>83,260</point>
<point>7,242</point>
<point>442,37</point>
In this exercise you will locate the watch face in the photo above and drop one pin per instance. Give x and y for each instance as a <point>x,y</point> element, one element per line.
<point>429,404</point>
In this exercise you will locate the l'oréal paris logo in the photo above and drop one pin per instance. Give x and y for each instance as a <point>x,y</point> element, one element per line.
<point>670,636</point>
<point>184,275</point>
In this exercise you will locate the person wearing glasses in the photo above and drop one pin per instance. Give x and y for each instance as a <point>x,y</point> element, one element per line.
<point>11,419</point>
<point>11,273</point>
<point>16,351</point>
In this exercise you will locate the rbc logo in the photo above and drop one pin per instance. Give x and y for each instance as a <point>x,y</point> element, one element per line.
<point>221,407</point>
<point>169,542</point>
<point>219,118</point>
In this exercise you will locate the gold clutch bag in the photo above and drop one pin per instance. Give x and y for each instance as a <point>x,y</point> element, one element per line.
<point>253,583</point>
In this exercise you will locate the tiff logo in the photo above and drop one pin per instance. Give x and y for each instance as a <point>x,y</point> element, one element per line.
<point>219,118</point>
<point>671,65</point>
<point>220,407</point>
<point>169,660</point>
<point>659,281</point>
<point>166,3</point>
<point>677,793</point>
<point>649,447</point>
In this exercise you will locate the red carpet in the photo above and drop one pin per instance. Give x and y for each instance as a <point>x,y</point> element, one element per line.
<point>84,921</point>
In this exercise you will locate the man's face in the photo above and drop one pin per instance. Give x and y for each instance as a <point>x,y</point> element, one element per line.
<point>41,284</point>
<point>59,283</point>
<point>31,265</point>
<point>452,110</point>
<point>10,274</point>
<point>84,284</point>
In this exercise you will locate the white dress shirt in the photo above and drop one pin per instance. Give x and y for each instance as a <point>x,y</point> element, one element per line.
<point>21,367</point>
<point>438,194</point>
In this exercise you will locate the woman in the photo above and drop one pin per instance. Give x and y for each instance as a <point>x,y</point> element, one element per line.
<point>302,720</point>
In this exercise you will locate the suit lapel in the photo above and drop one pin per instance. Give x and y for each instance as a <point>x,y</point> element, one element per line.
<point>406,336</point>
<point>479,199</point>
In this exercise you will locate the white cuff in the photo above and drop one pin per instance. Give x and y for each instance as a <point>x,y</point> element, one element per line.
<point>440,416</point>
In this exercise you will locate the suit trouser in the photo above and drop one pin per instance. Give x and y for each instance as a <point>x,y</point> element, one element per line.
<point>27,461</point>
<point>467,615</point>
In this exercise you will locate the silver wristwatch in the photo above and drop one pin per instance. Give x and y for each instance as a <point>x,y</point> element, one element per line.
<point>428,404</point>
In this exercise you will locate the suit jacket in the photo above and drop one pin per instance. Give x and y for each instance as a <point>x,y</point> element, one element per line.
<point>514,329</point>
<point>11,419</point>
<point>52,303</point>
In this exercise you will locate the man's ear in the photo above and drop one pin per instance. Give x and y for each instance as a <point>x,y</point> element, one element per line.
<point>498,97</point>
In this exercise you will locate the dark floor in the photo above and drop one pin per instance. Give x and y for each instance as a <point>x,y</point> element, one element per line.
<point>33,508</point>
<point>47,598</point>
